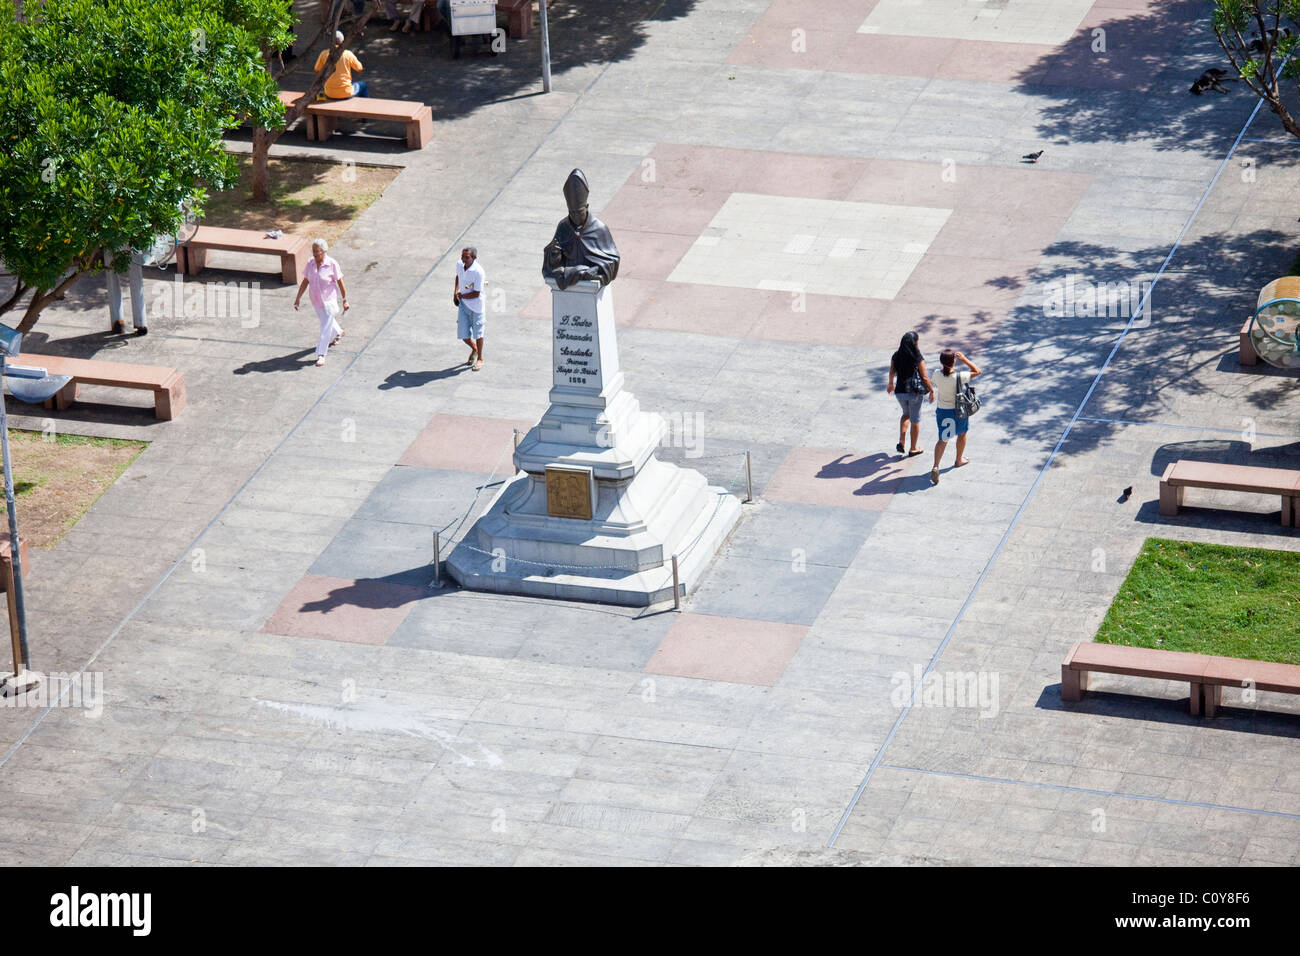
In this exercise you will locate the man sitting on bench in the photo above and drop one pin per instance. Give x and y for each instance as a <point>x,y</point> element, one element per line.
<point>340,85</point>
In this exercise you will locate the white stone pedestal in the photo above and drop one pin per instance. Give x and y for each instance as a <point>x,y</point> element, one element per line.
<point>642,510</point>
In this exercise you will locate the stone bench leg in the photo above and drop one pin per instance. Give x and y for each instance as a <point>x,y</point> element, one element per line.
<point>292,264</point>
<point>420,130</point>
<point>1171,498</point>
<point>170,399</point>
<point>64,397</point>
<point>1212,695</point>
<point>1073,683</point>
<point>325,126</point>
<point>196,259</point>
<point>1196,698</point>
<point>1288,511</point>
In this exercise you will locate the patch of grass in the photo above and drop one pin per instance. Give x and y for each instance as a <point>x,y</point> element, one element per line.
<point>1209,599</point>
<point>58,477</point>
<point>308,197</point>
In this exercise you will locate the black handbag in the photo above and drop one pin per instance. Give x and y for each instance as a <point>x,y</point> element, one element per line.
<point>966,403</point>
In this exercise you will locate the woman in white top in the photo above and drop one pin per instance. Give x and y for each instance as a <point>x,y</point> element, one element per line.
<point>945,387</point>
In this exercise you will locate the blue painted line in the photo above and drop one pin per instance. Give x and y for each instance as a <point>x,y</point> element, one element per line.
<point>1033,489</point>
<point>1100,793</point>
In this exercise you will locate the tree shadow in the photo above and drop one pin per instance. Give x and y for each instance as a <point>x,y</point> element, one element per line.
<point>1150,61</point>
<point>1183,346</point>
<point>420,67</point>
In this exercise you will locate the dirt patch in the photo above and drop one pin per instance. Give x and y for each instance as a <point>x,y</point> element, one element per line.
<point>308,198</point>
<point>57,481</point>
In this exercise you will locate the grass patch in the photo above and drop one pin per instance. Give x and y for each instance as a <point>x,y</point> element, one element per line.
<point>308,198</point>
<point>56,481</point>
<point>1209,599</point>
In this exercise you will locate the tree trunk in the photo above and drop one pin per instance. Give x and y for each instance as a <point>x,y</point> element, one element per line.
<point>261,172</point>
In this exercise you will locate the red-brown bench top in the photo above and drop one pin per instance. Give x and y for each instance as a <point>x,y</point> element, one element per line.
<point>100,372</point>
<point>1137,661</point>
<point>399,111</point>
<point>245,240</point>
<point>1225,477</point>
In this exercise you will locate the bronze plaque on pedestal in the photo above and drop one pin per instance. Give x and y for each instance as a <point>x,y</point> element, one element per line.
<point>570,492</point>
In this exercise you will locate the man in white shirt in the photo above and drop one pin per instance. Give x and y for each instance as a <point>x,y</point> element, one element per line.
<point>468,295</point>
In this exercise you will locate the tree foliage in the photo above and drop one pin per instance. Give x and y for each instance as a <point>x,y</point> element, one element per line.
<point>111,114</point>
<point>1260,37</point>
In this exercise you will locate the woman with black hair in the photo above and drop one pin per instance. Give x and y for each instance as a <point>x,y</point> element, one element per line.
<point>913,384</point>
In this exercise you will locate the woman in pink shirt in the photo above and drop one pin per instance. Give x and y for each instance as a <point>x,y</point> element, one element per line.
<point>323,277</point>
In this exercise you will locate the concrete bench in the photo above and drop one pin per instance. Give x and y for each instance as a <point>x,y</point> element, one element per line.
<point>323,116</point>
<point>520,17</point>
<point>1181,475</point>
<point>167,384</point>
<point>1087,657</point>
<point>1205,674</point>
<point>191,258</point>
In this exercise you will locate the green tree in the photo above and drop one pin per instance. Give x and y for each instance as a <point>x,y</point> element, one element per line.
<point>111,114</point>
<point>1258,37</point>
<point>271,21</point>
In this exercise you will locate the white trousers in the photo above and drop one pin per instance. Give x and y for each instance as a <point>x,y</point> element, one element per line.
<point>135,277</point>
<point>329,327</point>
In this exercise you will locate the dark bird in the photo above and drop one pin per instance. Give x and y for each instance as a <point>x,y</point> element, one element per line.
<point>1128,493</point>
<point>1032,157</point>
<point>1211,80</point>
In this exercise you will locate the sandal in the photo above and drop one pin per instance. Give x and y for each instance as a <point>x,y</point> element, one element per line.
<point>934,476</point>
<point>899,446</point>
<point>320,361</point>
<point>478,365</point>
<point>964,461</point>
<point>915,451</point>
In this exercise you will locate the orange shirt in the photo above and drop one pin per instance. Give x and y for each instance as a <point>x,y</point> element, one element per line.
<point>339,85</point>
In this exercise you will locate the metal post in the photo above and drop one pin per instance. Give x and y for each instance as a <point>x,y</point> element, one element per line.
<point>516,439</point>
<point>437,561</point>
<point>18,611</point>
<point>749,480</point>
<point>677,591</point>
<point>546,51</point>
<point>13,617</point>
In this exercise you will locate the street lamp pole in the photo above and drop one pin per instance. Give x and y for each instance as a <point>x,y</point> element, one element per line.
<point>546,50</point>
<point>22,679</point>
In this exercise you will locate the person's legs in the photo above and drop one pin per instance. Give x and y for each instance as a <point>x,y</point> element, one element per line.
<point>902,431</point>
<point>916,433</point>
<point>115,323</point>
<point>359,88</point>
<point>327,325</point>
<point>136,278</point>
<point>961,450</point>
<point>477,325</point>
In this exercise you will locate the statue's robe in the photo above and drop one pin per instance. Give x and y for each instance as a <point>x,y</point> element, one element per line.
<point>587,253</point>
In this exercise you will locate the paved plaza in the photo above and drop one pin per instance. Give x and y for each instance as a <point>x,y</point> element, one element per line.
<point>792,184</point>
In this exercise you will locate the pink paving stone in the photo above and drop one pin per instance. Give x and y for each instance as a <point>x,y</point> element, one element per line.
<point>684,212</point>
<point>970,285</point>
<point>839,479</point>
<point>728,649</point>
<point>342,609</point>
<point>833,43</point>
<point>464,443</point>
<point>707,309</point>
<point>650,255</point>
